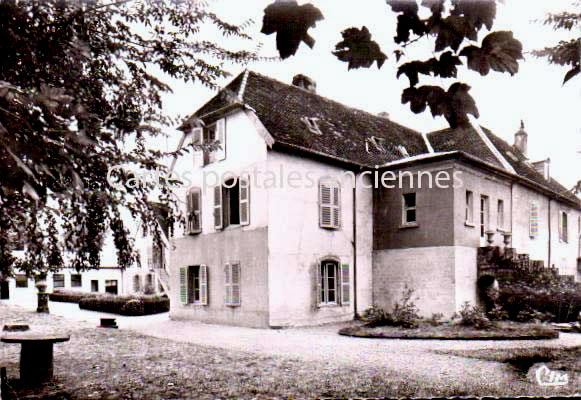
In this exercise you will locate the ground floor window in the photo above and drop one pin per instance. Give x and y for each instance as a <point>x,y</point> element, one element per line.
<point>111,286</point>
<point>137,283</point>
<point>21,281</point>
<point>194,284</point>
<point>232,284</point>
<point>76,280</point>
<point>333,283</point>
<point>94,285</point>
<point>58,280</point>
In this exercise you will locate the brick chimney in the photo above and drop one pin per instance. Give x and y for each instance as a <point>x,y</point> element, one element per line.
<point>520,139</point>
<point>305,82</point>
<point>542,167</point>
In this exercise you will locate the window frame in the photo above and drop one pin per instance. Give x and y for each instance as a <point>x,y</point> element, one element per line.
<point>21,281</point>
<point>54,281</point>
<point>80,281</point>
<point>193,212</point>
<point>563,226</point>
<point>332,207</point>
<point>500,216</point>
<point>405,208</point>
<point>469,208</point>
<point>484,214</point>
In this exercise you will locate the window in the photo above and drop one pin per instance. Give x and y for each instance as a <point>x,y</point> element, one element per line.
<point>194,284</point>
<point>484,215</point>
<point>58,280</point>
<point>157,256</point>
<point>137,283</point>
<point>76,280</point>
<point>409,209</point>
<point>333,283</point>
<point>469,207</point>
<point>111,286</point>
<point>312,125</point>
<point>194,211</point>
<point>232,203</point>
<point>329,204</point>
<point>534,220</point>
<point>563,229</point>
<point>500,215</point>
<point>214,136</point>
<point>94,285</point>
<point>21,281</point>
<point>232,284</point>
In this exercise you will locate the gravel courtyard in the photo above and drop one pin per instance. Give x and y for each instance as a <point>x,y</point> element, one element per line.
<point>158,358</point>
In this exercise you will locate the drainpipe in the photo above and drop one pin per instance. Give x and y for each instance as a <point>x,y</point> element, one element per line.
<point>549,221</point>
<point>356,315</point>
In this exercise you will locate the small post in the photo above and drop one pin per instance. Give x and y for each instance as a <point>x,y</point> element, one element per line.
<point>42,304</point>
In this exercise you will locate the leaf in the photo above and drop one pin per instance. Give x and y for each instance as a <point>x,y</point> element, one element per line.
<point>398,54</point>
<point>450,32</point>
<point>435,6</point>
<point>500,51</point>
<point>291,23</point>
<point>454,104</point>
<point>571,73</point>
<point>444,67</point>
<point>358,49</point>
<point>475,12</point>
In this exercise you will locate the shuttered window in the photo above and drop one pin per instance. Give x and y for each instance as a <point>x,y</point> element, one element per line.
<point>345,285</point>
<point>232,284</point>
<point>534,220</point>
<point>194,211</point>
<point>218,217</point>
<point>194,284</point>
<point>329,204</point>
<point>563,227</point>
<point>220,152</point>
<point>244,203</point>
<point>184,285</point>
<point>198,141</point>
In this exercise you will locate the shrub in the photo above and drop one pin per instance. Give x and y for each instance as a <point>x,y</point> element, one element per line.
<point>474,316</point>
<point>404,314</point>
<point>435,319</point>
<point>126,305</point>
<point>374,316</point>
<point>70,296</point>
<point>497,314</point>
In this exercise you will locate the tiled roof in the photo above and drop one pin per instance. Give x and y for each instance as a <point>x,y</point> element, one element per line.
<point>345,133</point>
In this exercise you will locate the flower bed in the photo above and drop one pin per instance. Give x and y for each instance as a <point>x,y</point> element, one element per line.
<point>126,305</point>
<point>454,331</point>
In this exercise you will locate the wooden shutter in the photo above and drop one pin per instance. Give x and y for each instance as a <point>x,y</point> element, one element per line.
<point>325,205</point>
<point>184,285</point>
<point>244,186</point>
<point>345,285</point>
<point>203,284</point>
<point>188,213</point>
<point>534,220</point>
<point>235,283</point>
<point>197,140</point>
<point>227,284</point>
<point>336,206</point>
<point>218,215</point>
<point>195,215</point>
<point>220,153</point>
<point>318,284</point>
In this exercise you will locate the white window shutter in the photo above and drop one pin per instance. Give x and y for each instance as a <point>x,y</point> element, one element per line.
<point>203,284</point>
<point>244,201</point>
<point>318,284</point>
<point>196,210</point>
<point>227,284</point>
<point>325,205</point>
<point>345,285</point>
<point>197,140</point>
<point>235,283</point>
<point>188,213</point>
<point>218,218</point>
<point>561,225</point>
<point>534,220</point>
<point>221,137</point>
<point>184,285</point>
<point>336,206</point>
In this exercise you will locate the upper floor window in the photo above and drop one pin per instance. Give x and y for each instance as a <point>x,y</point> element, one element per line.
<point>469,207</point>
<point>194,211</point>
<point>409,216</point>
<point>484,215</point>
<point>213,137</point>
<point>232,203</point>
<point>329,204</point>
<point>533,220</point>
<point>563,229</point>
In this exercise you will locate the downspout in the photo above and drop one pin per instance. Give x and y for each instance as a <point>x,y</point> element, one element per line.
<point>356,316</point>
<point>549,222</point>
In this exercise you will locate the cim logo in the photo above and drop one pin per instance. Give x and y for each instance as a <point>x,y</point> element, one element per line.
<point>545,377</point>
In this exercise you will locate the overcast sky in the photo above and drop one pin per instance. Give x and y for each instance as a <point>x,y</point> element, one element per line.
<point>550,111</point>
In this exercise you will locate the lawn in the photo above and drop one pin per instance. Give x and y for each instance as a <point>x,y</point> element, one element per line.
<point>453,331</point>
<point>120,364</point>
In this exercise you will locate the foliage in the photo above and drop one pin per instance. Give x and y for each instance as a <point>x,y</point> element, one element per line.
<point>290,22</point>
<point>404,313</point>
<point>374,315</point>
<point>80,91</point>
<point>497,314</point>
<point>474,316</point>
<point>566,52</point>
<point>70,296</point>
<point>126,305</point>
<point>435,319</point>
<point>449,25</point>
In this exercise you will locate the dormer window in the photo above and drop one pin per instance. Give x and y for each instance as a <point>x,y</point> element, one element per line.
<point>378,144</point>
<point>213,135</point>
<point>312,125</point>
<point>403,151</point>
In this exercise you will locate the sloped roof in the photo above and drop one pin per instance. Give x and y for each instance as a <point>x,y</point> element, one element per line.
<point>467,140</point>
<point>345,133</point>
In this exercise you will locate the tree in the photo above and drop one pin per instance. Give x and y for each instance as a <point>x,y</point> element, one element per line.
<point>566,52</point>
<point>80,92</point>
<point>453,26</point>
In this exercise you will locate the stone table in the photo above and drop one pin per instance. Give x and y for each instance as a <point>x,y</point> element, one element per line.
<point>36,355</point>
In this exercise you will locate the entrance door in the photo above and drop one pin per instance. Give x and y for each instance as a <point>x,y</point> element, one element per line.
<point>4,290</point>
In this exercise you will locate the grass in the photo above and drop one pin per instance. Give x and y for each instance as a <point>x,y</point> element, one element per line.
<point>120,364</point>
<point>451,331</point>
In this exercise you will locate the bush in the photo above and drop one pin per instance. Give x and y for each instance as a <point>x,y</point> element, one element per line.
<point>497,314</point>
<point>435,319</point>
<point>70,296</point>
<point>474,316</point>
<point>404,314</point>
<point>126,305</point>
<point>374,316</point>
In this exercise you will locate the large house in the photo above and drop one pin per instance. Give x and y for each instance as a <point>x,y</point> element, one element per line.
<point>309,211</point>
